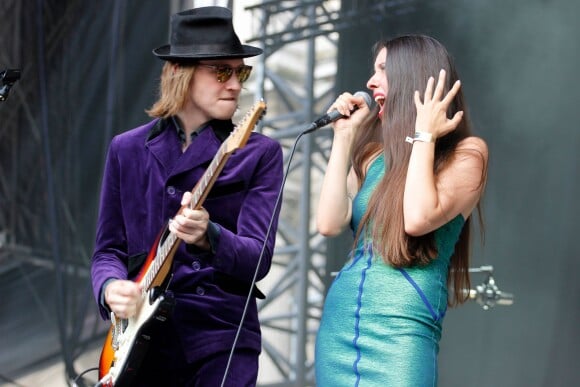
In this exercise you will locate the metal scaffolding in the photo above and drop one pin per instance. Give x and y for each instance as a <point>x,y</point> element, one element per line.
<point>296,78</point>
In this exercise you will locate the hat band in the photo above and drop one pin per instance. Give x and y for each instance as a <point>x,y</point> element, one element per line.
<point>204,48</point>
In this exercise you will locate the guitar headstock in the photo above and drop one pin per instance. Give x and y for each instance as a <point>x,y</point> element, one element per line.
<point>239,136</point>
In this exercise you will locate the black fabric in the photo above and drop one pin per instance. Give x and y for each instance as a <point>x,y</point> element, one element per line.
<point>221,128</point>
<point>135,263</point>
<point>234,286</point>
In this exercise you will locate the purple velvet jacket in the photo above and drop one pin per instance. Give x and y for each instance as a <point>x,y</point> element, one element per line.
<point>145,176</point>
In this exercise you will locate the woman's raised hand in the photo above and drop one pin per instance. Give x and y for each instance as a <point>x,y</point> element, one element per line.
<point>432,112</point>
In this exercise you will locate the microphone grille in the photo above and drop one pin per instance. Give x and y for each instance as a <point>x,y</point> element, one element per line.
<point>366,96</point>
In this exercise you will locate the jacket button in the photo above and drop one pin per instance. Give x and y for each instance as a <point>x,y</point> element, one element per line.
<point>196,265</point>
<point>171,190</point>
<point>200,291</point>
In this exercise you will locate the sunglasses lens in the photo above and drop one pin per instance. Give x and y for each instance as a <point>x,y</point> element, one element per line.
<point>243,73</point>
<point>224,73</point>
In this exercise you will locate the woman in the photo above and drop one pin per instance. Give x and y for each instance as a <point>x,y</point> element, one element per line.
<point>415,174</point>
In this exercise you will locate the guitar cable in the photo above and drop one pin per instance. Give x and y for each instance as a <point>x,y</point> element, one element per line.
<point>244,312</point>
<point>80,376</point>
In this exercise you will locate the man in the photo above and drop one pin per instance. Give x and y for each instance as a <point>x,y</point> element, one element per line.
<point>148,176</point>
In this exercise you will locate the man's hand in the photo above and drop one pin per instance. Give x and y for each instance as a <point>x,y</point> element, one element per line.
<point>191,225</point>
<point>123,297</point>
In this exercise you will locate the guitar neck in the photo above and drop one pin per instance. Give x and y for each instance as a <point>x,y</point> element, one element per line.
<point>205,183</point>
<point>170,241</point>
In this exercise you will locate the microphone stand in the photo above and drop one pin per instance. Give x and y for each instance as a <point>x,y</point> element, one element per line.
<point>488,294</point>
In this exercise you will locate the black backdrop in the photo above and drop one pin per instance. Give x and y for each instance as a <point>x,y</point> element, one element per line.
<point>87,74</point>
<point>518,62</point>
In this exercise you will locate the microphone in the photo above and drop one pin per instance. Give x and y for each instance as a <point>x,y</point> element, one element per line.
<point>335,114</point>
<point>488,294</point>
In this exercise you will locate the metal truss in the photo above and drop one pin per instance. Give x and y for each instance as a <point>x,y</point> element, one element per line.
<point>296,78</point>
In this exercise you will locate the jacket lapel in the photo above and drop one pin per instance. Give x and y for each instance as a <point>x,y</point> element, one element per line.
<point>166,149</point>
<point>200,153</point>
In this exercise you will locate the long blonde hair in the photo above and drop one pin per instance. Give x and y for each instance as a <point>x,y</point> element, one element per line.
<point>411,60</point>
<point>174,89</point>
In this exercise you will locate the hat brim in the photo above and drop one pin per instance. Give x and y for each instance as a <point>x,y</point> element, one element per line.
<point>164,52</point>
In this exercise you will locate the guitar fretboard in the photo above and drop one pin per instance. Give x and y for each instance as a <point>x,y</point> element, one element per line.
<point>198,194</point>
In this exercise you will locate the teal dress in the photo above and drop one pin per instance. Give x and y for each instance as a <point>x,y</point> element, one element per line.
<point>381,325</point>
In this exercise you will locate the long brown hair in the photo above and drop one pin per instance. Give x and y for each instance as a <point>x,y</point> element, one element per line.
<point>174,89</point>
<point>411,60</point>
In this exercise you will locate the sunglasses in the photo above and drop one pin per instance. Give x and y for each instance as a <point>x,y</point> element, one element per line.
<point>225,72</point>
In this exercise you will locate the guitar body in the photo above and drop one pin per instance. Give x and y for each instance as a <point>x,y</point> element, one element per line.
<point>128,339</point>
<point>119,367</point>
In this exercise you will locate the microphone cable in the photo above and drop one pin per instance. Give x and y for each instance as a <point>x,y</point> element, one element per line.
<point>245,310</point>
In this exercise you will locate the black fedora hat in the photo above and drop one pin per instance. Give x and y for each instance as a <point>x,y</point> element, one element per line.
<point>204,33</point>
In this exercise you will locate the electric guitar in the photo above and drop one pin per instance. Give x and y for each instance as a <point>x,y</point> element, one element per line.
<point>128,339</point>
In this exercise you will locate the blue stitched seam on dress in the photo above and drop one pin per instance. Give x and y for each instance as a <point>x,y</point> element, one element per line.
<point>439,305</point>
<point>357,314</point>
<point>350,255</point>
<point>436,316</point>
